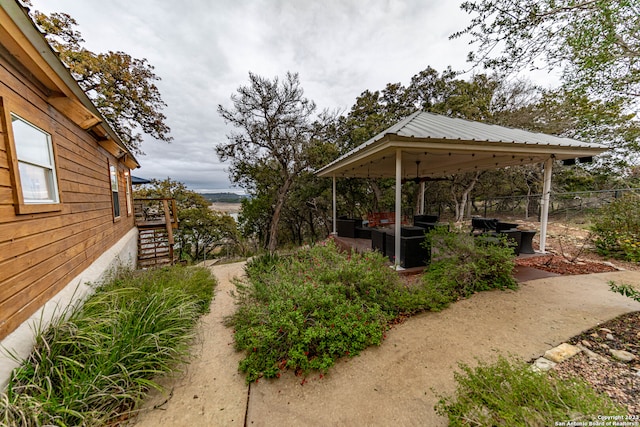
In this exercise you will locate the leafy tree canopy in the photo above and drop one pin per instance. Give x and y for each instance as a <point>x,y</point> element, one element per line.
<point>596,43</point>
<point>122,87</point>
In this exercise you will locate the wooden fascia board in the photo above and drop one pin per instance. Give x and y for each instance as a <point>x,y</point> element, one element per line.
<point>390,143</point>
<point>75,111</point>
<point>130,162</point>
<point>119,153</point>
<point>18,45</point>
<point>28,46</point>
<point>112,147</point>
<point>36,59</point>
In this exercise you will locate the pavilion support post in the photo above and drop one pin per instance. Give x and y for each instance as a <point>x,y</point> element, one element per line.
<point>398,227</point>
<point>335,209</point>
<point>544,203</point>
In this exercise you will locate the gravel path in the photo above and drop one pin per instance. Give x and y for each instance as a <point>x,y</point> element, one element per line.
<point>397,382</point>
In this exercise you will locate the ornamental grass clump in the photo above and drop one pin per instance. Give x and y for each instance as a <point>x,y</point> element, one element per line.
<point>510,393</point>
<point>96,366</point>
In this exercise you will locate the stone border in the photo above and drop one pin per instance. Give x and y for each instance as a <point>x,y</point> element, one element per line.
<point>566,351</point>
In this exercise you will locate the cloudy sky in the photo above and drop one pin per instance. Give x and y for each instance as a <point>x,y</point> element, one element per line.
<point>203,51</point>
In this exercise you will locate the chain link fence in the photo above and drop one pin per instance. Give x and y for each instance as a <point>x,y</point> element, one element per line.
<point>561,205</point>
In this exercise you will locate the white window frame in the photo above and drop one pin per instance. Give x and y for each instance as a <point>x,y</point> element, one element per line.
<point>115,192</point>
<point>49,168</point>
<point>23,204</point>
<point>127,183</point>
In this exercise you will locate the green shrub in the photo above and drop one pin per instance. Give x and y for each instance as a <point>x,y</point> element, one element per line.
<point>462,265</point>
<point>304,311</point>
<point>625,289</point>
<point>510,393</point>
<point>99,363</point>
<point>617,229</point>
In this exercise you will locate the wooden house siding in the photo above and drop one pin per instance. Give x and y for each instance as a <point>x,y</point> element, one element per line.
<point>40,253</point>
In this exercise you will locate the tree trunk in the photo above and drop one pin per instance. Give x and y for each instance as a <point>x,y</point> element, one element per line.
<point>377,195</point>
<point>417,194</point>
<point>312,229</point>
<point>277,211</point>
<point>460,206</point>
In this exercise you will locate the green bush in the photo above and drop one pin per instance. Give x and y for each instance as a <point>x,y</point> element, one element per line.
<point>98,363</point>
<point>462,265</point>
<point>625,289</point>
<point>304,311</point>
<point>617,229</point>
<point>510,393</point>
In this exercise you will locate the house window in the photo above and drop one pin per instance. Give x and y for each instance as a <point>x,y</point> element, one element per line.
<point>114,191</point>
<point>36,164</point>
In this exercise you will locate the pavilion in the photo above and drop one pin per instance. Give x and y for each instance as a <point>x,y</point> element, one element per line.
<point>430,145</point>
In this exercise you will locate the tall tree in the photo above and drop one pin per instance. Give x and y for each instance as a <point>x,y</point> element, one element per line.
<point>596,43</point>
<point>122,87</point>
<point>276,128</point>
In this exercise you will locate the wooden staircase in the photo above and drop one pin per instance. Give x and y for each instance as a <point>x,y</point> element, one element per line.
<point>154,249</point>
<point>156,219</point>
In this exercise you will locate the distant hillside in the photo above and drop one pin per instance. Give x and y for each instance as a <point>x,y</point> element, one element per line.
<point>224,197</point>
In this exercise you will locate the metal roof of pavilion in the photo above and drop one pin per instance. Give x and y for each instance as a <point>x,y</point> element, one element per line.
<point>433,145</point>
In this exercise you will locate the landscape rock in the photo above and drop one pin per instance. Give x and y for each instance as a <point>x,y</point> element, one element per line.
<point>593,356</point>
<point>586,343</point>
<point>610,264</point>
<point>542,364</point>
<point>623,355</point>
<point>562,352</point>
<point>610,337</point>
<point>606,330</point>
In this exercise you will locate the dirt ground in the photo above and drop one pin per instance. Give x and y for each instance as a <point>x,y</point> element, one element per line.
<point>396,383</point>
<point>570,244</point>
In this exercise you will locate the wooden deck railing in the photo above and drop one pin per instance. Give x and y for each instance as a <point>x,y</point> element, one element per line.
<point>156,213</point>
